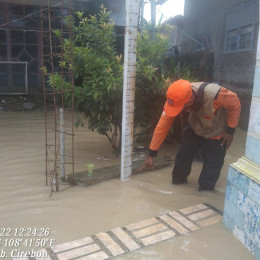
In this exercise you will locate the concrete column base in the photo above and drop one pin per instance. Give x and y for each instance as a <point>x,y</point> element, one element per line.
<point>242,203</point>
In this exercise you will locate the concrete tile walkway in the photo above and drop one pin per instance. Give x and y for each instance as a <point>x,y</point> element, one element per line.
<point>122,240</point>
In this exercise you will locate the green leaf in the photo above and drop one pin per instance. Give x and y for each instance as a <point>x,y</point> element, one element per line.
<point>96,94</point>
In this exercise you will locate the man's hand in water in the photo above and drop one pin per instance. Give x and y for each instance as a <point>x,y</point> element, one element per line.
<point>147,164</point>
<point>226,140</point>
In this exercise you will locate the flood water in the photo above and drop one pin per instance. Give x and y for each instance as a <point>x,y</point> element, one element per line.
<point>77,212</point>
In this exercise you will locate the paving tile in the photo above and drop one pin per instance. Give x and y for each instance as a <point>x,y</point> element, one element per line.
<point>157,237</point>
<point>210,221</point>
<point>110,244</point>
<point>95,256</point>
<point>184,221</point>
<point>75,243</point>
<point>202,214</point>
<point>125,239</point>
<point>150,230</point>
<point>142,224</point>
<point>192,209</point>
<point>81,251</point>
<point>175,225</point>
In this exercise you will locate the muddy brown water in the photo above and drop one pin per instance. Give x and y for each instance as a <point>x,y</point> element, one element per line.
<point>77,212</point>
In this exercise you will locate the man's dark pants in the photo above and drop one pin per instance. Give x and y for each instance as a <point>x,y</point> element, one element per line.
<point>213,159</point>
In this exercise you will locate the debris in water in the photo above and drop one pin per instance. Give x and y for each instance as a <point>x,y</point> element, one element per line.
<point>138,156</point>
<point>28,106</point>
<point>104,157</point>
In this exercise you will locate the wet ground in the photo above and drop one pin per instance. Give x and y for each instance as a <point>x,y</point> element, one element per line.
<point>78,212</point>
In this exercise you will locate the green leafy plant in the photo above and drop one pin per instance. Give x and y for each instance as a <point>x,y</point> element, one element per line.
<point>150,80</point>
<point>98,74</point>
<point>155,72</point>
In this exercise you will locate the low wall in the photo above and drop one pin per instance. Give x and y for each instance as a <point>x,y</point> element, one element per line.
<point>242,208</point>
<point>111,172</point>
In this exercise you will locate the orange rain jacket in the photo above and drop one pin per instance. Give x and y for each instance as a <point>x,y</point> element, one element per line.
<point>226,99</point>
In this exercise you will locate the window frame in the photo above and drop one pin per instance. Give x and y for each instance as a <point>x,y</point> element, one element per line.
<point>239,28</point>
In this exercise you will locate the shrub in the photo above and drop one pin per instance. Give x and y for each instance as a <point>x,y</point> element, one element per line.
<point>98,74</point>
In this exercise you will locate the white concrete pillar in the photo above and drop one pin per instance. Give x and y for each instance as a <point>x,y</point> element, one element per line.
<point>132,15</point>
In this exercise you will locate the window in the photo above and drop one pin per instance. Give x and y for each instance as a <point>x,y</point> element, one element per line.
<point>245,37</point>
<point>203,42</point>
<point>16,14</point>
<point>25,16</point>
<point>240,27</point>
<point>231,40</point>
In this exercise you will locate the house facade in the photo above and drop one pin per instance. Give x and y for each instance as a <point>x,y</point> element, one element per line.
<point>229,28</point>
<point>21,41</point>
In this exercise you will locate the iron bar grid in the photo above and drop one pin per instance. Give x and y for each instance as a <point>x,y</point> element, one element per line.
<point>50,48</point>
